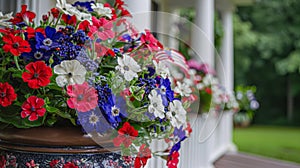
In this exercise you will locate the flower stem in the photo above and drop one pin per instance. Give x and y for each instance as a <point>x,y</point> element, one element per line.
<point>17,62</point>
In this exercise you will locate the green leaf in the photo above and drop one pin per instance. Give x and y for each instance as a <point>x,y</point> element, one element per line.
<point>137,92</point>
<point>119,44</point>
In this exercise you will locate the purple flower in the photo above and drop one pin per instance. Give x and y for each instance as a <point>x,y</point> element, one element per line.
<point>89,64</point>
<point>93,121</point>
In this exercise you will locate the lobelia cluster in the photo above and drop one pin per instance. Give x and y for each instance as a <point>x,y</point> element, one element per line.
<point>87,64</point>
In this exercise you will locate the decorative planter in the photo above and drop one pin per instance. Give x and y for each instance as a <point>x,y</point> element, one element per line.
<point>55,147</point>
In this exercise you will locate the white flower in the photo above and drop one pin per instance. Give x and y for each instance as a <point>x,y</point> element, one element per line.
<point>210,80</point>
<point>71,10</point>
<point>176,114</point>
<point>101,10</point>
<point>4,19</point>
<point>183,89</point>
<point>156,107</point>
<point>69,72</point>
<point>128,67</point>
<point>161,69</point>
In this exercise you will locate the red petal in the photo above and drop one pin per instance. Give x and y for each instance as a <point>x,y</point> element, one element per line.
<point>32,117</point>
<point>24,114</point>
<point>41,112</point>
<point>27,76</point>
<point>39,103</point>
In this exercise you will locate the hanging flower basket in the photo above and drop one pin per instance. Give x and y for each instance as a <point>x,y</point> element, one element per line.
<point>85,70</point>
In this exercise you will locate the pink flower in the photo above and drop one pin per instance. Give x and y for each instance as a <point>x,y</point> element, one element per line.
<point>150,41</point>
<point>33,107</point>
<point>104,28</point>
<point>82,97</point>
<point>31,164</point>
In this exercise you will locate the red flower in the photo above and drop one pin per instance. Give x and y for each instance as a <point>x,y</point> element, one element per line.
<point>38,76</point>
<point>2,161</point>
<point>7,94</point>
<point>150,41</point>
<point>70,165</point>
<point>23,15</point>
<point>173,160</point>
<point>55,12</point>
<point>126,135</point>
<point>208,90</point>
<point>15,45</point>
<point>53,163</point>
<point>33,107</point>
<point>83,97</point>
<point>31,31</point>
<point>69,20</point>
<point>142,157</point>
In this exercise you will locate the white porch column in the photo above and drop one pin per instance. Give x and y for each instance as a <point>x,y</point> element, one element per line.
<point>140,10</point>
<point>202,44</point>
<point>225,61</point>
<point>225,66</point>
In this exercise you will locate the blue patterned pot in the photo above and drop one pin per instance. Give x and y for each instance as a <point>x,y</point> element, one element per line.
<point>56,148</point>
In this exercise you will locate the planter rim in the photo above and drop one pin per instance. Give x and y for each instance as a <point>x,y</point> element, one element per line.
<point>52,140</point>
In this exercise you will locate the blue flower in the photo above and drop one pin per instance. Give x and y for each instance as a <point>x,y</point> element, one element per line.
<point>93,121</point>
<point>167,94</point>
<point>36,54</point>
<point>84,6</point>
<point>50,41</point>
<point>113,109</point>
<point>179,136</point>
<point>79,37</point>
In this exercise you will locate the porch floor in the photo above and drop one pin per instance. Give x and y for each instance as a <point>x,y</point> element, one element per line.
<point>242,160</point>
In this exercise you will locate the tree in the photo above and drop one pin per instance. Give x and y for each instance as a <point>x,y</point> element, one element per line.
<point>274,26</point>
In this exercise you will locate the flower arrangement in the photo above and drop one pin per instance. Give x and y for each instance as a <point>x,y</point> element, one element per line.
<point>248,104</point>
<point>213,96</point>
<point>87,64</point>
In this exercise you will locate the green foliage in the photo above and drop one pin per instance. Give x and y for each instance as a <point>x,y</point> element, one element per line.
<point>267,51</point>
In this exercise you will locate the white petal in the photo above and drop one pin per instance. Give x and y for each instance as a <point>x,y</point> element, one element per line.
<point>60,70</point>
<point>61,80</point>
<point>78,79</point>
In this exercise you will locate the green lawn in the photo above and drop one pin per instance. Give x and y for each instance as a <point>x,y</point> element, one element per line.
<point>277,142</point>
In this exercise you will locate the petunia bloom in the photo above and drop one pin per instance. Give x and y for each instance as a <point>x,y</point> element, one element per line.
<point>126,135</point>
<point>15,45</point>
<point>7,94</point>
<point>156,106</point>
<point>38,74</point>
<point>82,97</point>
<point>33,108</point>
<point>142,157</point>
<point>23,16</point>
<point>173,160</point>
<point>150,41</point>
<point>104,28</point>
<point>176,114</point>
<point>69,73</point>
<point>128,67</point>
